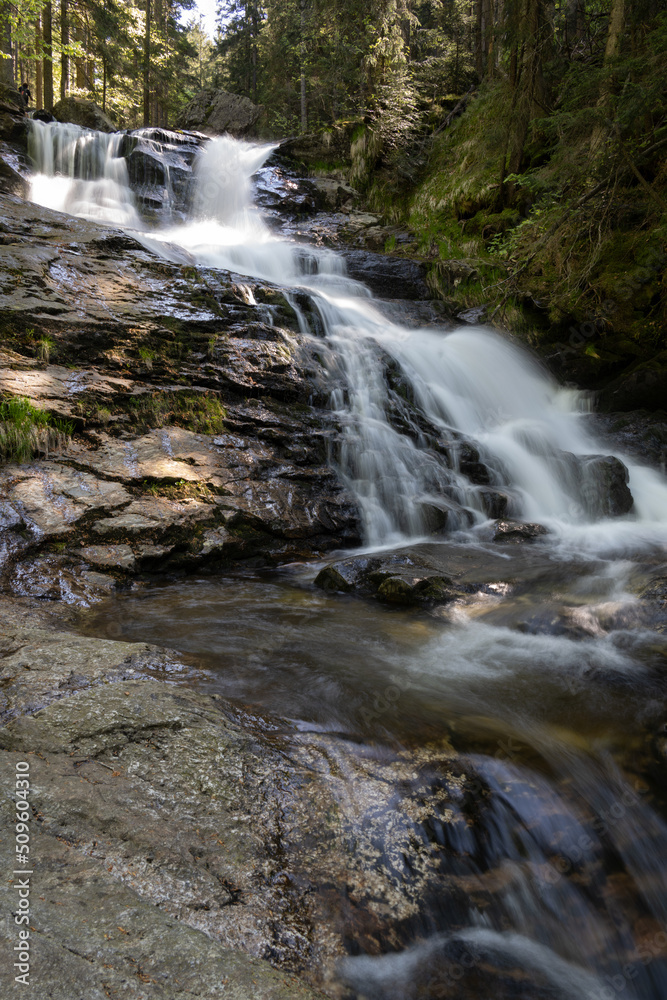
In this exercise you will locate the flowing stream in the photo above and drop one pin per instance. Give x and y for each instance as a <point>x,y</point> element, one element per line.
<point>553,689</point>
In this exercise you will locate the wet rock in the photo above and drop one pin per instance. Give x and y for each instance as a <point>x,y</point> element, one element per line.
<point>159,164</point>
<point>154,517</point>
<point>215,112</point>
<point>471,465</point>
<point>280,191</point>
<point>435,518</point>
<point>109,556</point>
<point>401,578</point>
<point>654,599</point>
<point>51,498</point>
<point>388,277</point>
<point>80,111</point>
<point>605,486</point>
<point>638,433</point>
<point>333,580</point>
<point>43,116</point>
<point>55,578</point>
<point>39,666</point>
<point>336,195</point>
<point>518,531</point>
<point>165,809</point>
<point>497,504</point>
<point>11,101</point>
<point>154,333</point>
<point>644,386</point>
<point>11,181</point>
<point>13,128</point>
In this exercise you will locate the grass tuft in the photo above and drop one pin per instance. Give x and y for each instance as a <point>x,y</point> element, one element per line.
<point>196,411</point>
<point>26,431</point>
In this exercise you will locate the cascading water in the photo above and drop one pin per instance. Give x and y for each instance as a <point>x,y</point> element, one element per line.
<point>81,172</point>
<point>469,385</point>
<point>418,408</point>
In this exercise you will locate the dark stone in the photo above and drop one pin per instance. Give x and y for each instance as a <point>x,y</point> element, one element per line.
<point>640,433</point>
<point>388,277</point>
<point>518,531</point>
<point>43,116</point>
<point>11,181</point>
<point>605,486</point>
<point>332,580</point>
<point>436,518</point>
<point>470,465</point>
<point>281,192</point>
<point>396,591</point>
<point>215,112</point>
<point>84,113</point>
<point>643,387</point>
<point>403,578</point>
<point>11,102</point>
<point>13,128</point>
<point>496,503</point>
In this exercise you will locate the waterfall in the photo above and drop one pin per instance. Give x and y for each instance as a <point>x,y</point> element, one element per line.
<point>437,426</point>
<point>471,386</point>
<point>81,172</point>
<point>469,400</point>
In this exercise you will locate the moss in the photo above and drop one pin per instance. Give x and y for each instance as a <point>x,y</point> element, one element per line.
<point>201,412</point>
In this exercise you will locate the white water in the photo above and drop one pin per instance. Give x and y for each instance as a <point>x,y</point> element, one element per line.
<point>467,382</point>
<point>80,172</point>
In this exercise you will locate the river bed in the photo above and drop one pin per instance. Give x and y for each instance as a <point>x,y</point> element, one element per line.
<point>500,755</point>
<point>547,682</point>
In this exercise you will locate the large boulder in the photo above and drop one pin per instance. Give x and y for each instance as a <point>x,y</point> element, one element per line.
<point>12,114</point>
<point>85,113</point>
<point>215,112</point>
<point>388,277</point>
<point>159,164</point>
<point>11,101</point>
<point>605,486</point>
<point>642,387</point>
<point>331,145</point>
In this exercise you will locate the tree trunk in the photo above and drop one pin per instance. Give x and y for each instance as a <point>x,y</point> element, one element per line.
<point>39,83</point>
<point>525,71</point>
<point>573,24</point>
<point>255,32</point>
<point>64,58</point>
<point>147,65</point>
<point>80,62</point>
<point>47,22</point>
<point>302,52</point>
<point>611,52</point>
<point>6,74</point>
<point>489,26</point>
<point>479,39</point>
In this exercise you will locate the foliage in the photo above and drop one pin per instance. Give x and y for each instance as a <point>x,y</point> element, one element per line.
<point>196,411</point>
<point>98,46</point>
<point>26,431</point>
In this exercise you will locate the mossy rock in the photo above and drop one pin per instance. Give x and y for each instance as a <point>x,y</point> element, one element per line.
<point>642,387</point>
<point>87,114</point>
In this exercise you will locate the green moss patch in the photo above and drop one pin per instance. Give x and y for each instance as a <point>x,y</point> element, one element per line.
<point>201,412</point>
